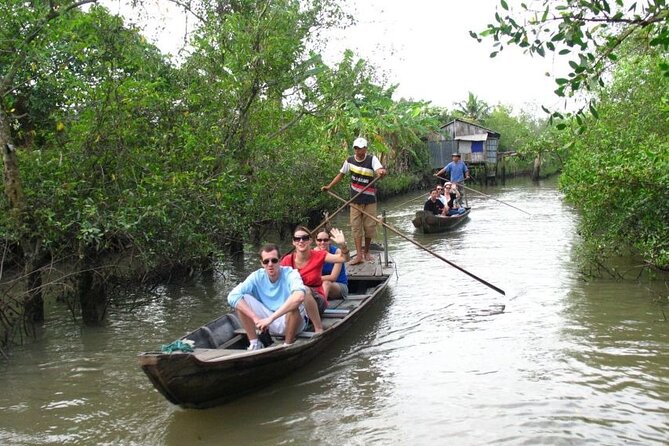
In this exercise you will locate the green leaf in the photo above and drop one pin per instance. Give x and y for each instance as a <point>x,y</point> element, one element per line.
<point>593,110</point>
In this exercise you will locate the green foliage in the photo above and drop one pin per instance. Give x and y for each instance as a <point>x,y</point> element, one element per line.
<point>473,109</point>
<point>399,183</point>
<point>516,131</point>
<point>618,173</point>
<point>590,32</point>
<point>122,152</point>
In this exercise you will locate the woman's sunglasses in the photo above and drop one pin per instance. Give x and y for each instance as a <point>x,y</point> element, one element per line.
<point>322,240</point>
<point>302,238</point>
<point>273,260</point>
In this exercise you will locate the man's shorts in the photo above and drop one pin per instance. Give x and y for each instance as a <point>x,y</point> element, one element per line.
<point>278,327</point>
<point>361,222</point>
<point>320,300</point>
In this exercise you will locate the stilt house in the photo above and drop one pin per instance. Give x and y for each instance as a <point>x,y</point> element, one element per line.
<point>477,145</point>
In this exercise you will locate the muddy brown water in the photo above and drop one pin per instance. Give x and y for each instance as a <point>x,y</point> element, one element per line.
<point>568,362</point>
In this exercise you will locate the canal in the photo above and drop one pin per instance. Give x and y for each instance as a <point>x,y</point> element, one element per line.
<point>569,361</point>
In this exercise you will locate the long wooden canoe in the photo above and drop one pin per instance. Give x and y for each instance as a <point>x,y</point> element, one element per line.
<point>428,223</point>
<point>220,368</point>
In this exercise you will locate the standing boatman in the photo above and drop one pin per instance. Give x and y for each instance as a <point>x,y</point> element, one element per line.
<point>362,167</point>
<point>458,172</point>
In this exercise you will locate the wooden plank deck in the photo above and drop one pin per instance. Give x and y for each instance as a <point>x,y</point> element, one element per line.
<point>372,268</point>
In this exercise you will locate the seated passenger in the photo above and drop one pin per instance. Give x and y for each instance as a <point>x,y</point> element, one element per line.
<point>272,298</point>
<point>309,263</point>
<point>440,194</point>
<point>333,275</point>
<point>433,204</point>
<point>453,201</point>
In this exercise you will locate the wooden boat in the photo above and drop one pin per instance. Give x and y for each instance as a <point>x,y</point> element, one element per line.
<point>220,368</point>
<point>428,223</point>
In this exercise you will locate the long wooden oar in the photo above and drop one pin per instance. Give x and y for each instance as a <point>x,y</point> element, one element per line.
<point>329,217</point>
<point>422,194</point>
<point>396,231</point>
<point>488,196</point>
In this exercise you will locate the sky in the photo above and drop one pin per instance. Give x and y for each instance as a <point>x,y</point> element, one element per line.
<point>422,45</point>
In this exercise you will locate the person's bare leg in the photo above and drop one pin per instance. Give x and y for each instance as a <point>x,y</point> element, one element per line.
<point>368,242</point>
<point>327,287</point>
<point>334,291</point>
<point>311,308</point>
<point>359,253</point>
<point>248,325</point>
<point>293,319</point>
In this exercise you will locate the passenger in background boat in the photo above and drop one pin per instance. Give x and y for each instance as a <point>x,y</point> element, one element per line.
<point>433,204</point>
<point>309,263</point>
<point>453,195</point>
<point>333,275</point>
<point>456,171</point>
<point>273,298</point>
<point>453,205</point>
<point>362,167</point>
<point>440,194</point>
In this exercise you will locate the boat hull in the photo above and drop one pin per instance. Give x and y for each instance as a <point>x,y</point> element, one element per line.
<point>432,224</point>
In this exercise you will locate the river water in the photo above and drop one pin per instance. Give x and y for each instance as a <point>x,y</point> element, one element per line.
<point>433,362</point>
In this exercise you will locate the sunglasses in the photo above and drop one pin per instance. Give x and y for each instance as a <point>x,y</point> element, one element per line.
<point>322,240</point>
<point>301,238</point>
<point>273,260</point>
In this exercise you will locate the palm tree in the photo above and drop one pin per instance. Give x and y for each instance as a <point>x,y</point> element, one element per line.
<point>473,108</point>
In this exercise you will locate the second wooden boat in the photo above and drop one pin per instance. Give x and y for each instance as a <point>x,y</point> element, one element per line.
<point>428,223</point>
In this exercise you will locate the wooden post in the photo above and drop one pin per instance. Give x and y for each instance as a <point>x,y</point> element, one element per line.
<point>503,170</point>
<point>536,169</point>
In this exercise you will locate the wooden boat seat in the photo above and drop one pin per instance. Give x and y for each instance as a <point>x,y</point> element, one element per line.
<point>336,312</point>
<point>210,354</point>
<point>304,334</point>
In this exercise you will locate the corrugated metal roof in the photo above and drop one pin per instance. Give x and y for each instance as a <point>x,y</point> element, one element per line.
<point>479,137</point>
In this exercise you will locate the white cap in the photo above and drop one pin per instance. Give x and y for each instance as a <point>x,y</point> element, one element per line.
<point>360,142</point>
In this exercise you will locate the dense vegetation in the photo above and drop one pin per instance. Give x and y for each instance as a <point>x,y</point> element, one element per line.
<point>120,165</point>
<point>618,166</point>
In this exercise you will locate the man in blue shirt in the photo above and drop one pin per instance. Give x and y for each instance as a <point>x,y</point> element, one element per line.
<point>272,298</point>
<point>456,171</point>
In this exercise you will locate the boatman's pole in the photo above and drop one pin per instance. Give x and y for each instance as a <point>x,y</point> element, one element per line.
<point>409,239</point>
<point>385,238</point>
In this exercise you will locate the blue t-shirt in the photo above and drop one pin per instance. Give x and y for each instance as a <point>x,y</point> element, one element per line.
<point>327,268</point>
<point>271,295</point>
<point>456,171</point>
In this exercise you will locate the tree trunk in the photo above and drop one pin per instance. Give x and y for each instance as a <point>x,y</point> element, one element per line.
<point>536,170</point>
<point>92,297</point>
<point>33,305</point>
<point>10,169</point>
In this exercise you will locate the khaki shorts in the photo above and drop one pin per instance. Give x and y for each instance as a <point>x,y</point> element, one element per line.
<point>362,223</point>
